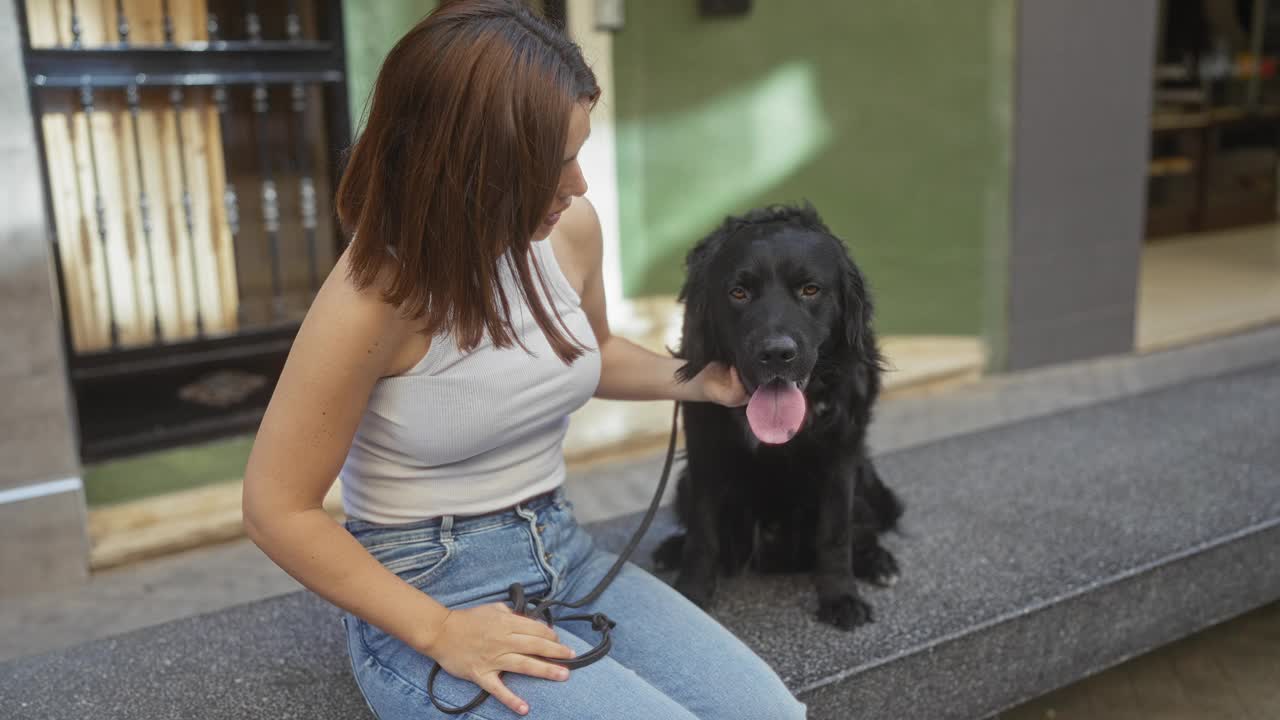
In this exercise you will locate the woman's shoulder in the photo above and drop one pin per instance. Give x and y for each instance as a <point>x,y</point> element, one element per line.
<point>361,314</point>
<point>364,298</point>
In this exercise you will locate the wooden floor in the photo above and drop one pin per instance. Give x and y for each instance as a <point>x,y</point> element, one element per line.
<point>1229,672</point>
<point>1206,285</point>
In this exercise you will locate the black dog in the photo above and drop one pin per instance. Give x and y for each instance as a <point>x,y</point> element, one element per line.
<point>785,484</point>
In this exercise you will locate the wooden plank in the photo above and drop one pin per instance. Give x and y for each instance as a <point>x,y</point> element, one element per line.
<point>1112,693</point>
<point>1228,672</point>
<point>1069,703</point>
<point>74,251</point>
<point>47,22</point>
<point>216,249</point>
<point>1208,690</point>
<point>212,241</point>
<point>190,21</point>
<point>97,28</point>
<point>98,23</point>
<point>164,191</point>
<point>146,20</point>
<point>118,159</point>
<point>48,25</point>
<point>184,280</point>
<point>127,254</point>
<point>1249,658</point>
<point>1157,688</point>
<point>209,159</point>
<point>155,263</point>
<point>94,252</point>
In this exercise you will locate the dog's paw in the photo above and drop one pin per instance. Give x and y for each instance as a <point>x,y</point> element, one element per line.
<point>876,565</point>
<point>700,591</point>
<point>668,554</point>
<point>844,611</point>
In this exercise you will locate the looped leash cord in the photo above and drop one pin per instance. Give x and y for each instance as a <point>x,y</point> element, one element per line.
<point>541,609</point>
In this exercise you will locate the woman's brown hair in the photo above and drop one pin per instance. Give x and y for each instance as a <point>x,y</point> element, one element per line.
<point>458,164</point>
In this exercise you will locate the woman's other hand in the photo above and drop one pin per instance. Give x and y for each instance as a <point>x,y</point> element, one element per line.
<point>476,644</point>
<point>721,385</point>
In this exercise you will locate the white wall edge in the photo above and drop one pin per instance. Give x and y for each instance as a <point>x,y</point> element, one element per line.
<point>599,158</point>
<point>37,490</point>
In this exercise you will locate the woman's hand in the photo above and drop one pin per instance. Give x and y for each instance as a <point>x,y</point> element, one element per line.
<point>720,384</point>
<point>477,643</point>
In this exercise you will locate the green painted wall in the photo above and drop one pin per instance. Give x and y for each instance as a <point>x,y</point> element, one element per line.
<point>371,28</point>
<point>891,117</point>
<point>163,471</point>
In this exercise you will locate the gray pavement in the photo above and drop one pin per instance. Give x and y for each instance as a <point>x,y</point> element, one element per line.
<point>209,579</point>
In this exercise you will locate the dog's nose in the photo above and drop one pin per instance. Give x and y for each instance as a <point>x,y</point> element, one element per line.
<point>778,352</point>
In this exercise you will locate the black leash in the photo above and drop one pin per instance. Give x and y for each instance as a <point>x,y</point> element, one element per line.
<point>600,622</point>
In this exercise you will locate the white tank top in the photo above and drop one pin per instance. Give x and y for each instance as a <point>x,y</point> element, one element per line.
<point>469,433</point>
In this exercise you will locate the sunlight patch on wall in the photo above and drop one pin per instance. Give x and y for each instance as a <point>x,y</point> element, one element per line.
<point>733,147</point>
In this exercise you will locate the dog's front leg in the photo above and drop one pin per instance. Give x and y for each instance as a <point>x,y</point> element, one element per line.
<point>875,509</point>
<point>700,559</point>
<point>838,600</point>
<point>713,472</point>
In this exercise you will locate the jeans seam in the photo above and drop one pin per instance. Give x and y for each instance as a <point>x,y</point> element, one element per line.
<point>427,552</point>
<point>418,579</point>
<point>539,554</point>
<point>355,674</point>
<point>374,547</point>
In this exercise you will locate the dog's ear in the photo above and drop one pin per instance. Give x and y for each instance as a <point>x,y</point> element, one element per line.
<point>699,340</point>
<point>855,307</point>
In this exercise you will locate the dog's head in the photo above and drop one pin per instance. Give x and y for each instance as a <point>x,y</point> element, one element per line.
<point>771,293</point>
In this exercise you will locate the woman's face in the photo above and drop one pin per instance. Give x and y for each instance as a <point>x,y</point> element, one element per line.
<point>572,184</point>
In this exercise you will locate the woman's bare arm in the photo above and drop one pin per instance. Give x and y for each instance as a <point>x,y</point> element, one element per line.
<point>345,344</point>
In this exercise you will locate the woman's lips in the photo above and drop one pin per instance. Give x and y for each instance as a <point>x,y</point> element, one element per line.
<point>554,217</point>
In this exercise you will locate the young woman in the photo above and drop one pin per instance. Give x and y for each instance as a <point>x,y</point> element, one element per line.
<point>435,373</point>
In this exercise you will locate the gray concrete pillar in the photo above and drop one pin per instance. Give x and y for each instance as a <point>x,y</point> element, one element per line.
<point>43,533</point>
<point>1065,287</point>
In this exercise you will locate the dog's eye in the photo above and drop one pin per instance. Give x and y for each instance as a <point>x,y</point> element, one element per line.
<point>810,290</point>
<point>738,293</point>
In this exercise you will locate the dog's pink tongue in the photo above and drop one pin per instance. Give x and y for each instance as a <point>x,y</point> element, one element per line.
<point>776,411</point>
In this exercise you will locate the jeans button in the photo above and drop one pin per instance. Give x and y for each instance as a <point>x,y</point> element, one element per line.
<point>547,555</point>
<point>541,528</point>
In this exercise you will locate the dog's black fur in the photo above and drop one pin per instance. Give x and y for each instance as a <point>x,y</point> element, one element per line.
<point>816,503</point>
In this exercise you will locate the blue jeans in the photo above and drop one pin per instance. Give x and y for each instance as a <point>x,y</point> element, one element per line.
<point>670,660</point>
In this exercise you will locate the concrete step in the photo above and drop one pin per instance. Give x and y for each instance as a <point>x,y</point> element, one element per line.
<point>1034,553</point>
<point>1039,553</point>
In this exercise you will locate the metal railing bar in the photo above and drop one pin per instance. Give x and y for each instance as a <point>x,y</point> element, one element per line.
<point>270,195</point>
<point>168,22</point>
<point>122,24</point>
<point>306,183</point>
<point>100,210</point>
<point>185,79</point>
<point>76,27</point>
<point>252,23</point>
<point>176,101</point>
<point>144,209</point>
<point>229,199</point>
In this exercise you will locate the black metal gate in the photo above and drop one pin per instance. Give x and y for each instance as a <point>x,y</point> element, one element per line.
<point>190,151</point>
